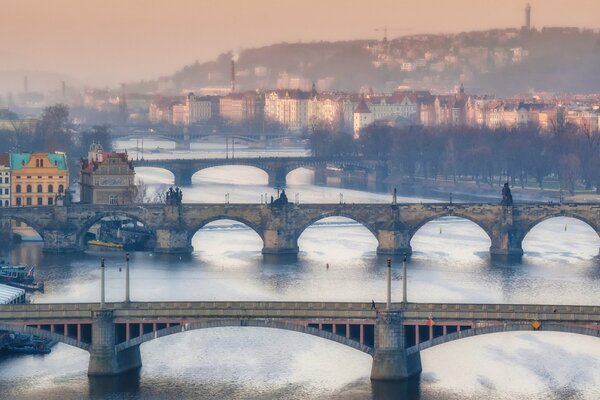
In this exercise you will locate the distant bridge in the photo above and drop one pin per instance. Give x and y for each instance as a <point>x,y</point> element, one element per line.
<point>63,228</point>
<point>184,137</point>
<point>277,168</point>
<point>113,333</point>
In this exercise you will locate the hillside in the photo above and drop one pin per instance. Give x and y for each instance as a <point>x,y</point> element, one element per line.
<point>504,62</point>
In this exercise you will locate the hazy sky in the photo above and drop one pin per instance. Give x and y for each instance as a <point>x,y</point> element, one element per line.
<point>109,41</point>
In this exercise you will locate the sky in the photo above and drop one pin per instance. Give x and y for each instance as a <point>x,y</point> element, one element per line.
<point>104,42</point>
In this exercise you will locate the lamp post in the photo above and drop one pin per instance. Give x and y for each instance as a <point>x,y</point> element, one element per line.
<point>127,299</point>
<point>388,303</point>
<point>102,281</point>
<point>404,280</point>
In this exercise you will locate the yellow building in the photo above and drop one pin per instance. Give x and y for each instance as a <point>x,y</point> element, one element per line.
<point>37,178</point>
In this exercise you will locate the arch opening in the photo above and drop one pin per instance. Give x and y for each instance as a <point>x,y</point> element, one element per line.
<point>15,229</point>
<point>224,236</point>
<point>154,176</point>
<point>227,175</point>
<point>450,236</point>
<point>300,176</point>
<point>116,232</point>
<point>562,237</point>
<point>337,237</point>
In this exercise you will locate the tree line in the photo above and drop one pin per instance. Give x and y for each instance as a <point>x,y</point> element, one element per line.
<point>567,154</point>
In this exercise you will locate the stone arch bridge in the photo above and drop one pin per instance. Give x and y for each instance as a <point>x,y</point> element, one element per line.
<point>63,228</point>
<point>113,332</point>
<point>277,168</point>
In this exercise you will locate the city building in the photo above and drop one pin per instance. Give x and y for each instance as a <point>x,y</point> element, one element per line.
<point>238,107</point>
<point>37,178</point>
<point>107,177</point>
<point>363,117</point>
<point>4,180</point>
<point>288,107</point>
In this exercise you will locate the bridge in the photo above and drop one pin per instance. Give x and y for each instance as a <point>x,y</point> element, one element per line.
<point>113,332</point>
<point>277,168</point>
<point>183,137</point>
<point>63,228</point>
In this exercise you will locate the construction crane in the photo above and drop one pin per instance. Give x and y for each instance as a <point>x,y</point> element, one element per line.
<point>385,30</point>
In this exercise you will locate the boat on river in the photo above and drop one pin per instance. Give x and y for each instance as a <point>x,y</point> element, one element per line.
<point>20,276</point>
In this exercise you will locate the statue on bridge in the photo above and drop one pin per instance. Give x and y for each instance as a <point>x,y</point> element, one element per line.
<point>174,197</point>
<point>507,199</point>
<point>281,201</point>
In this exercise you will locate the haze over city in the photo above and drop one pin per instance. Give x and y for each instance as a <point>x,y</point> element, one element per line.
<point>109,42</point>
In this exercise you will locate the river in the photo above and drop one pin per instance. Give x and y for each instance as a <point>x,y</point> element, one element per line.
<point>450,263</point>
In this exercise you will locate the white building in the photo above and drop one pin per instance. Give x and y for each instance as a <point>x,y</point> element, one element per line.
<point>363,117</point>
<point>288,107</point>
<point>4,180</point>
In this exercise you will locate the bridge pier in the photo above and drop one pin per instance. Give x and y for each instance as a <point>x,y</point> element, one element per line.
<point>105,360</point>
<point>393,242</point>
<point>277,177</point>
<point>172,240</point>
<point>183,177</point>
<point>508,243</point>
<point>59,241</point>
<point>391,362</point>
<point>280,241</point>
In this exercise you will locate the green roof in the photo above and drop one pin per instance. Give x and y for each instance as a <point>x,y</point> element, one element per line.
<point>18,160</point>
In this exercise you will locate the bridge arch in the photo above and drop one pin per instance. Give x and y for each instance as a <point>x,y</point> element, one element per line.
<point>41,333</point>
<point>250,166</point>
<point>515,327</point>
<point>18,218</point>
<point>592,224</point>
<point>336,213</point>
<point>250,224</point>
<point>413,230</point>
<point>152,172</point>
<point>98,217</point>
<point>257,323</point>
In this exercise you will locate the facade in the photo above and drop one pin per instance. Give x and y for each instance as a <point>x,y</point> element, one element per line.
<point>107,178</point>
<point>288,107</point>
<point>238,107</point>
<point>327,109</point>
<point>37,178</point>
<point>4,180</point>
<point>362,118</point>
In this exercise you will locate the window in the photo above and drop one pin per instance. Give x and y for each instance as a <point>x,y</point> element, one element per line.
<point>28,188</point>
<point>6,191</point>
<point>41,163</point>
<point>39,201</point>
<point>28,201</point>
<point>5,203</point>
<point>18,189</point>
<point>61,188</point>
<point>50,201</point>
<point>50,188</point>
<point>18,201</point>
<point>113,199</point>
<point>1,204</point>
<point>6,180</point>
<point>39,189</point>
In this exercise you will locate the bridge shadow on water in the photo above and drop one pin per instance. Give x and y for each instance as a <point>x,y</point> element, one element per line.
<point>405,390</point>
<point>124,385</point>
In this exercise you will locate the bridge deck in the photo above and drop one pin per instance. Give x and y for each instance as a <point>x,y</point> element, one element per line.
<point>302,310</point>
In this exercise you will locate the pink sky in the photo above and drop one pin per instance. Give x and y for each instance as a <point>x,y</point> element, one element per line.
<point>109,41</point>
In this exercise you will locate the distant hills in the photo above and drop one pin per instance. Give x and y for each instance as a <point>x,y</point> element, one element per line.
<point>504,62</point>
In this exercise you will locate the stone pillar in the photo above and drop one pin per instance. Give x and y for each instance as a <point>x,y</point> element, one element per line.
<point>506,235</point>
<point>320,175</point>
<point>104,359</point>
<point>393,242</point>
<point>173,240</point>
<point>59,241</point>
<point>280,241</point>
<point>183,177</point>
<point>390,359</point>
<point>277,177</point>
<point>507,243</point>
